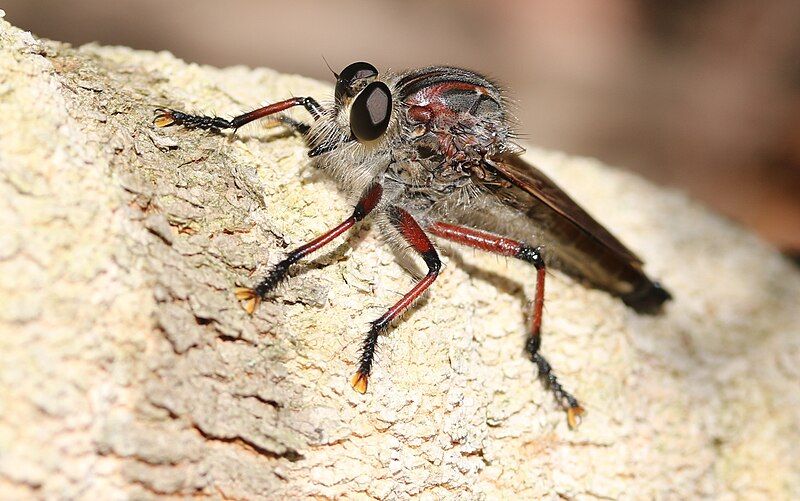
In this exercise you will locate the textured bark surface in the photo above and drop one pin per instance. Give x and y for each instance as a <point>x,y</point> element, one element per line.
<point>127,369</point>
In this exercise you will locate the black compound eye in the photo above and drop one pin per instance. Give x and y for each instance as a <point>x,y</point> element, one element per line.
<point>370,113</point>
<point>353,72</point>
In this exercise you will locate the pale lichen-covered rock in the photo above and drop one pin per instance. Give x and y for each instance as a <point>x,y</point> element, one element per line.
<point>127,369</point>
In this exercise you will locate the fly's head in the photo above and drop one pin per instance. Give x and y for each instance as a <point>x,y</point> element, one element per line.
<point>357,129</point>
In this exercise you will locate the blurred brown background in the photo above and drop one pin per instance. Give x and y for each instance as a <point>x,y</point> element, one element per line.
<point>703,95</point>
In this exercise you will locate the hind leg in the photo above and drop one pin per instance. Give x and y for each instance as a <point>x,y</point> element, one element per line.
<point>512,248</point>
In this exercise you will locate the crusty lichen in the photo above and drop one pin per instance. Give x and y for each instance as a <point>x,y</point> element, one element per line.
<point>128,368</point>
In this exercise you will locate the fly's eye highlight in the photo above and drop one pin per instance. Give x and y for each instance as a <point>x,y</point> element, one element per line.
<point>370,113</point>
<point>349,76</point>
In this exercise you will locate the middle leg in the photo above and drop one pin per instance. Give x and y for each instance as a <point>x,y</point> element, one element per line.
<point>411,232</point>
<point>512,248</point>
<point>253,296</point>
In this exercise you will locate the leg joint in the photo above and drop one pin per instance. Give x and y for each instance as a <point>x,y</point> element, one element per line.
<point>369,200</point>
<point>533,344</point>
<point>312,106</point>
<point>531,255</point>
<point>431,258</point>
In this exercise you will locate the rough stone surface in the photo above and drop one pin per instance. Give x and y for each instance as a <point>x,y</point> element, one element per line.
<point>128,370</point>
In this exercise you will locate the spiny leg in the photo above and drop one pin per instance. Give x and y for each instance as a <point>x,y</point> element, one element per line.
<point>534,341</point>
<point>415,236</point>
<point>369,200</point>
<point>508,247</point>
<point>167,117</point>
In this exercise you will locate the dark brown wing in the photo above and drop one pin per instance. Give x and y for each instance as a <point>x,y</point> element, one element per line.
<point>595,254</point>
<point>533,181</point>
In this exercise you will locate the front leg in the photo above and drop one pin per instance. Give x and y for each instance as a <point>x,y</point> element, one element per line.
<point>167,117</point>
<point>253,296</point>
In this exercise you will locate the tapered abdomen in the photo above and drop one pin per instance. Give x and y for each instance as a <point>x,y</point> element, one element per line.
<point>584,257</point>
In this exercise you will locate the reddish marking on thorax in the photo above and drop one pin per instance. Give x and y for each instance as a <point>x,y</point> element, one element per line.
<point>429,106</point>
<point>435,93</point>
<point>420,114</point>
<point>430,103</point>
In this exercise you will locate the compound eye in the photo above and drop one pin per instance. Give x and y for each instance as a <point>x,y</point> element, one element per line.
<point>370,113</point>
<point>352,73</point>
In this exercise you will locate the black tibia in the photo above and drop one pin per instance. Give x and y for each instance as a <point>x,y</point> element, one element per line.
<point>167,117</point>
<point>278,273</point>
<point>574,409</point>
<point>533,255</point>
<point>369,200</point>
<point>408,228</point>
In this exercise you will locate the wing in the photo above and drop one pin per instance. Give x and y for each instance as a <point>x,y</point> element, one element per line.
<point>586,248</point>
<point>534,182</point>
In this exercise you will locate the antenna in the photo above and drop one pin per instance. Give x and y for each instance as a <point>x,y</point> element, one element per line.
<point>335,75</point>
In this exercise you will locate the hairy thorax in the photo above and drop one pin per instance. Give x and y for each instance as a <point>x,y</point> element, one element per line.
<point>437,144</point>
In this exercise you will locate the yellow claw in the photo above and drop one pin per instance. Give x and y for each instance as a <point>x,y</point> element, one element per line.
<point>573,413</point>
<point>164,119</point>
<point>359,382</point>
<point>250,298</point>
<point>244,293</point>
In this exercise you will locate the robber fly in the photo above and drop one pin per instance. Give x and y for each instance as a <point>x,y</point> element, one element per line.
<point>430,152</point>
